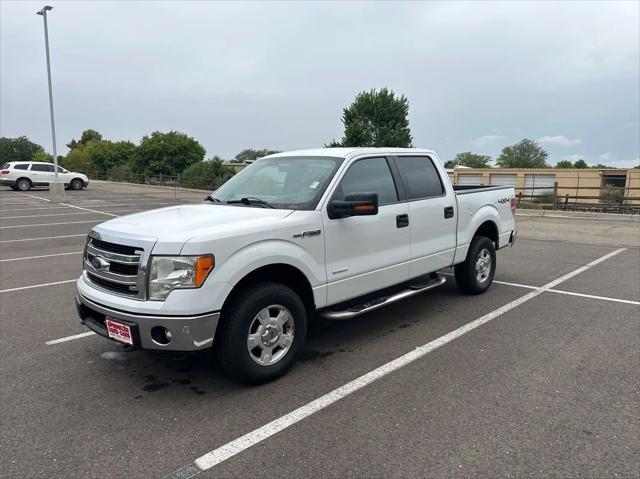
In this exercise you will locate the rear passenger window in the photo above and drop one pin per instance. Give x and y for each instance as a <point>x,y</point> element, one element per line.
<point>368,176</point>
<point>23,166</point>
<point>47,168</point>
<point>420,176</point>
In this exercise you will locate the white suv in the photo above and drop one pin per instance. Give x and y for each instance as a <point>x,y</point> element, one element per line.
<point>24,175</point>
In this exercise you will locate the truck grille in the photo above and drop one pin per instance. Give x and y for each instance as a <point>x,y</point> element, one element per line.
<point>115,267</point>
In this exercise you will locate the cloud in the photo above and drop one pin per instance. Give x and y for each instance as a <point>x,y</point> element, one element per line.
<point>487,140</point>
<point>558,141</point>
<point>606,157</point>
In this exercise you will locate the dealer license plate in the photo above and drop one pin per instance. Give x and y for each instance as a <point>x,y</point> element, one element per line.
<point>119,331</point>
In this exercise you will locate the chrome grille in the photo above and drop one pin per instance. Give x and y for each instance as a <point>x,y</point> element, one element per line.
<point>115,267</point>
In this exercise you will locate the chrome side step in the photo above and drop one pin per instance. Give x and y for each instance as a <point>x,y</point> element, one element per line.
<point>373,304</point>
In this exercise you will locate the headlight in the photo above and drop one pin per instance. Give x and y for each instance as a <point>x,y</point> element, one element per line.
<point>177,272</point>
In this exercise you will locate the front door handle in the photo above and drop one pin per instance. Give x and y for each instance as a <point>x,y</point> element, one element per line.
<point>402,221</point>
<point>448,211</point>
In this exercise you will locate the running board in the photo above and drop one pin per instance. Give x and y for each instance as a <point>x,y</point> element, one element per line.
<point>373,304</point>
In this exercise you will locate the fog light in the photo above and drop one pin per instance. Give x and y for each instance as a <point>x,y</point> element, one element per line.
<point>160,335</point>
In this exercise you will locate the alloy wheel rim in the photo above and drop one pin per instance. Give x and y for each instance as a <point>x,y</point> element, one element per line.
<point>270,335</point>
<point>483,265</point>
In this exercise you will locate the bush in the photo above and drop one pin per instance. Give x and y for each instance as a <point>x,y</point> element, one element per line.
<point>122,172</point>
<point>205,175</point>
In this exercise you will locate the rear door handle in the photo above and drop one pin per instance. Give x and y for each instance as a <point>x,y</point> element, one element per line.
<point>402,221</point>
<point>448,211</point>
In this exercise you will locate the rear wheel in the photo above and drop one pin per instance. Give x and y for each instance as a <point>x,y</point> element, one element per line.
<point>23,184</point>
<point>262,333</point>
<point>475,275</point>
<point>77,184</point>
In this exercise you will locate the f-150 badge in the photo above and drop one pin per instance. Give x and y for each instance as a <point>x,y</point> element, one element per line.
<point>307,234</point>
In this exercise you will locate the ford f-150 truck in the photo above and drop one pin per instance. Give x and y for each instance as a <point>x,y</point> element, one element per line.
<point>334,232</point>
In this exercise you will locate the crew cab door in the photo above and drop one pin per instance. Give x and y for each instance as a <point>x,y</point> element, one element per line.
<point>432,214</point>
<point>367,253</point>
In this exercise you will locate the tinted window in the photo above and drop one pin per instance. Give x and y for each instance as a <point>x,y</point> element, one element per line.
<point>420,176</point>
<point>61,170</point>
<point>369,176</point>
<point>48,168</point>
<point>4,166</point>
<point>22,166</point>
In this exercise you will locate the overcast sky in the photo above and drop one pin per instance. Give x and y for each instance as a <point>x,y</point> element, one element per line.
<point>478,75</point>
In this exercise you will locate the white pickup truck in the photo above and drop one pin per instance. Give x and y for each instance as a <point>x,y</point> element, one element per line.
<point>334,232</point>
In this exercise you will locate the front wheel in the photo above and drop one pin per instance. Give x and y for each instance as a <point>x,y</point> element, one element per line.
<point>77,184</point>
<point>262,333</point>
<point>475,275</point>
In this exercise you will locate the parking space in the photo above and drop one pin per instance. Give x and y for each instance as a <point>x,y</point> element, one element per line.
<point>521,380</point>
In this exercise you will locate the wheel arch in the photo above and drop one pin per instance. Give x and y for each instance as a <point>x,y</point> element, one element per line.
<point>282,273</point>
<point>488,229</point>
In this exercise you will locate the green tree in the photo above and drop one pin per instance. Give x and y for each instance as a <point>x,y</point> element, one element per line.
<point>87,136</point>
<point>471,160</point>
<point>564,164</point>
<point>376,118</point>
<point>167,153</point>
<point>42,156</point>
<point>103,155</point>
<point>206,175</point>
<point>524,154</point>
<point>76,160</point>
<point>17,149</point>
<point>580,164</point>
<point>249,154</point>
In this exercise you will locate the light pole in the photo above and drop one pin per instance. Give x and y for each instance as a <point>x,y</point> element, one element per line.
<point>57,189</point>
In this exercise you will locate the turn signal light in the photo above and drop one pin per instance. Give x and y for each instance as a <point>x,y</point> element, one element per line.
<point>204,264</point>
<point>513,205</point>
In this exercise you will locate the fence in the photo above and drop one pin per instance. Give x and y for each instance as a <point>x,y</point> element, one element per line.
<point>607,200</point>
<point>174,181</point>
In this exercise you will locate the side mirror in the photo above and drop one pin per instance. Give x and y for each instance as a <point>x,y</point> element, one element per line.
<point>357,204</point>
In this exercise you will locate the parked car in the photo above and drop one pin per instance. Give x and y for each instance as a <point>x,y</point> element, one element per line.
<point>336,232</point>
<point>24,175</point>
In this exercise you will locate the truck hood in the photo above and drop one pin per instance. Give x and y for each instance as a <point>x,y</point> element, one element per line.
<point>172,227</point>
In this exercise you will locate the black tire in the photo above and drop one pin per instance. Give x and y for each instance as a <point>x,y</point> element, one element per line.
<point>76,184</point>
<point>23,184</point>
<point>470,280</point>
<point>237,322</point>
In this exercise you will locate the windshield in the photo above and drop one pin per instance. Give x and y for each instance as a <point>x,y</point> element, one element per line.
<point>282,182</point>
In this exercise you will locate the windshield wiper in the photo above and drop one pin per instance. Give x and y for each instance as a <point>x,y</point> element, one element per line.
<point>212,199</point>
<point>251,201</point>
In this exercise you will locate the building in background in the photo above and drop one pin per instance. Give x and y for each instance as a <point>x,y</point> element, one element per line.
<point>571,185</point>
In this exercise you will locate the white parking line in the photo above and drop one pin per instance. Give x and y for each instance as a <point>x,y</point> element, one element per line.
<point>60,214</point>
<point>39,256</point>
<point>55,224</point>
<point>38,285</point>
<point>42,238</point>
<point>562,291</point>
<point>105,206</point>
<point>591,296</point>
<point>256,436</point>
<point>13,210</point>
<point>70,338</point>
<point>89,209</point>
<point>34,196</point>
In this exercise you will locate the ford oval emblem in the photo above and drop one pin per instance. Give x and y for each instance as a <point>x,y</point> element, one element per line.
<point>99,263</point>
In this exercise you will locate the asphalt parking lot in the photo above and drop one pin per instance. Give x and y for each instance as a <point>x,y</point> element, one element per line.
<point>537,377</point>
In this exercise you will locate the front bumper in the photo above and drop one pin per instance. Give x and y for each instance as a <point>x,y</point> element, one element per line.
<point>188,333</point>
